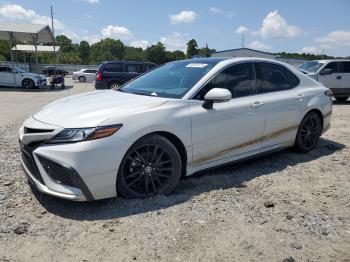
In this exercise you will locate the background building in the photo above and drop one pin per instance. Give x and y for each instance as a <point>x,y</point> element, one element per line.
<point>247,52</point>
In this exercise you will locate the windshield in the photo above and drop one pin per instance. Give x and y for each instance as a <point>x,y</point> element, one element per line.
<point>171,80</point>
<point>19,70</point>
<point>311,67</point>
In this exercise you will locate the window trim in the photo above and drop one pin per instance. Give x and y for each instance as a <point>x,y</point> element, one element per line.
<point>219,72</point>
<point>272,63</point>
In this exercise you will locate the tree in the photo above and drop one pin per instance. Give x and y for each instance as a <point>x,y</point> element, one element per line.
<point>106,49</point>
<point>205,51</point>
<point>84,50</point>
<point>192,48</point>
<point>156,53</point>
<point>134,53</point>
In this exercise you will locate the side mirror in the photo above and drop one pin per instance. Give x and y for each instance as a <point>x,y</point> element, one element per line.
<point>327,71</point>
<point>216,95</point>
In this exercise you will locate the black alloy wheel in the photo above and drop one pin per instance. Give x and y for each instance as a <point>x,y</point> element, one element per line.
<point>27,84</point>
<point>151,166</point>
<point>309,132</point>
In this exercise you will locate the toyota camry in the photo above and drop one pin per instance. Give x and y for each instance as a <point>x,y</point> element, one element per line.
<point>173,121</point>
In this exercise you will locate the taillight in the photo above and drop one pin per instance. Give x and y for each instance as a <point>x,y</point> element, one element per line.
<point>98,76</point>
<point>328,93</point>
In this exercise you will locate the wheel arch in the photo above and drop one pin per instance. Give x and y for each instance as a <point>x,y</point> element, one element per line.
<point>27,78</point>
<point>177,142</point>
<point>318,112</point>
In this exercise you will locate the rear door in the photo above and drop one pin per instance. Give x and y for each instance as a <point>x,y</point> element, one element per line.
<point>345,77</point>
<point>332,80</point>
<point>132,70</point>
<point>113,72</point>
<point>276,87</point>
<point>7,78</point>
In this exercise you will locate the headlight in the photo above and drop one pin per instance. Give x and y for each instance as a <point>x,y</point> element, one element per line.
<point>70,135</point>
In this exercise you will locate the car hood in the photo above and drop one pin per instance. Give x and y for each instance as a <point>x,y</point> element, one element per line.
<point>92,108</point>
<point>32,75</point>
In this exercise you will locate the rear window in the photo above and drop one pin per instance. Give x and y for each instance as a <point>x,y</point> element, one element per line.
<point>113,68</point>
<point>273,77</point>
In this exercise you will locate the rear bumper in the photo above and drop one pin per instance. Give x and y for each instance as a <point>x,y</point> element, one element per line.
<point>101,84</point>
<point>339,92</point>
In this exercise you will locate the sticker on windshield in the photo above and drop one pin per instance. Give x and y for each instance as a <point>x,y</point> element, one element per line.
<point>196,65</point>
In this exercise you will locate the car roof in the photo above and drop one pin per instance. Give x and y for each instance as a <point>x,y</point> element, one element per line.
<point>330,60</point>
<point>126,61</point>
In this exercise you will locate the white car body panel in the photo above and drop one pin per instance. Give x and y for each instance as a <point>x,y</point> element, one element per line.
<point>89,77</point>
<point>230,131</point>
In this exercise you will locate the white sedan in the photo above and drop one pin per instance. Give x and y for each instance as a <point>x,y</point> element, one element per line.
<point>85,75</point>
<point>178,119</point>
<point>17,77</point>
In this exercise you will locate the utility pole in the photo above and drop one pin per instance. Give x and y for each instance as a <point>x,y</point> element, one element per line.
<point>53,32</point>
<point>242,40</point>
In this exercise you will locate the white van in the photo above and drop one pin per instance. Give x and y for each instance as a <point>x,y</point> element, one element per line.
<point>334,74</point>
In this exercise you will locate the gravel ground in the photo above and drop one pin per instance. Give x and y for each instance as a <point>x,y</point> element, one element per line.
<point>282,207</point>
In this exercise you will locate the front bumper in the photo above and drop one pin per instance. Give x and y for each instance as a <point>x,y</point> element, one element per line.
<point>81,171</point>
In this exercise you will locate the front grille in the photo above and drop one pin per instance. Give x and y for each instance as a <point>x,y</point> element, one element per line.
<point>28,159</point>
<point>59,173</point>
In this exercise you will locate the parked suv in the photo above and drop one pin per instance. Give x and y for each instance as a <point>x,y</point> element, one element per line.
<point>15,76</point>
<point>85,75</point>
<point>334,74</point>
<point>112,74</point>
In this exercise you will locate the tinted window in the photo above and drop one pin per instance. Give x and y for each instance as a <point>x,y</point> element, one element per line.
<point>333,66</point>
<point>133,68</point>
<point>90,71</point>
<point>345,67</point>
<point>5,69</point>
<point>272,77</point>
<point>148,67</point>
<point>238,79</point>
<point>114,68</point>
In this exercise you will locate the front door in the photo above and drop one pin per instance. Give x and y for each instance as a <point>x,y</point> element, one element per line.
<point>230,128</point>
<point>332,80</point>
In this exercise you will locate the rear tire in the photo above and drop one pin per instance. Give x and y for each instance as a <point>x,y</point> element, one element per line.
<point>342,98</point>
<point>82,79</point>
<point>309,132</point>
<point>151,166</point>
<point>114,85</point>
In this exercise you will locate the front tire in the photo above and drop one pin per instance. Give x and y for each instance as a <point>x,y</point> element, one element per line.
<point>309,132</point>
<point>28,83</point>
<point>151,166</point>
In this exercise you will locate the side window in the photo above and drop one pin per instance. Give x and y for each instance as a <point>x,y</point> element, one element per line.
<point>147,67</point>
<point>345,67</point>
<point>3,69</point>
<point>333,66</point>
<point>272,78</point>
<point>238,79</point>
<point>132,68</point>
<point>114,68</point>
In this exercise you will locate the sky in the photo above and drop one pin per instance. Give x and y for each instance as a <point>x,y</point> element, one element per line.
<point>311,26</point>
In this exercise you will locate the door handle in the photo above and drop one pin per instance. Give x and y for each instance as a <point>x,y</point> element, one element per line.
<point>338,77</point>
<point>257,104</point>
<point>299,97</point>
